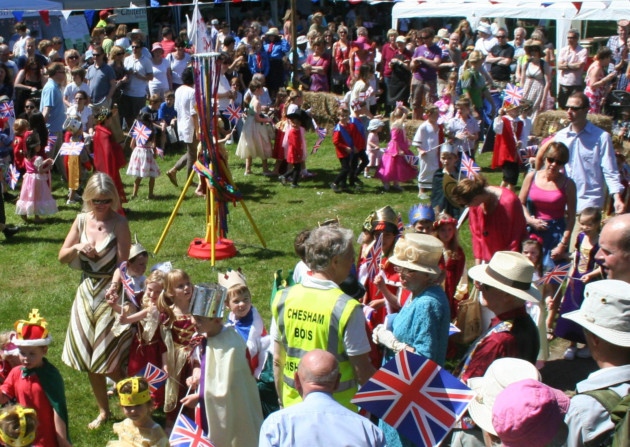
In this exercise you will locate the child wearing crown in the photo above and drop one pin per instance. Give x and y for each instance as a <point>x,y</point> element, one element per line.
<point>18,426</point>
<point>138,430</point>
<point>226,390</point>
<point>37,384</point>
<point>245,318</point>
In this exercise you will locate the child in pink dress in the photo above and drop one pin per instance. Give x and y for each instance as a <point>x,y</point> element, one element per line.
<point>35,196</point>
<point>395,168</point>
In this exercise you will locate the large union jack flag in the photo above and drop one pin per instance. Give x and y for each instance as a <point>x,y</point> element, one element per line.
<point>513,94</point>
<point>188,434</point>
<point>233,113</point>
<point>71,148</point>
<point>415,396</point>
<point>13,175</point>
<point>468,166</point>
<point>373,258</point>
<point>7,110</point>
<point>155,376</point>
<point>558,274</point>
<point>141,133</point>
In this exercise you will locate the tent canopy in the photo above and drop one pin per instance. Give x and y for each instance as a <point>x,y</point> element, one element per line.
<point>30,5</point>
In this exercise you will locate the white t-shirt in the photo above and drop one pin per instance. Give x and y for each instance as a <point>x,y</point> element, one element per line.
<point>72,89</point>
<point>137,87</point>
<point>160,79</point>
<point>224,87</point>
<point>186,113</point>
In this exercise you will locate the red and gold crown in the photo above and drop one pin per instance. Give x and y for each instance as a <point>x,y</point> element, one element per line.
<point>32,332</point>
<point>135,397</point>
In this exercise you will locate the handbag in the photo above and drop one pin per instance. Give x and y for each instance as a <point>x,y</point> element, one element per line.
<point>468,319</point>
<point>172,134</point>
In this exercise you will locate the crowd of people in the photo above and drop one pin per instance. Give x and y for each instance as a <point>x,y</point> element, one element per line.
<point>347,313</point>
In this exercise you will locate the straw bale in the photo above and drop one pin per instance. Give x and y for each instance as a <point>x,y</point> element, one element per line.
<point>554,120</point>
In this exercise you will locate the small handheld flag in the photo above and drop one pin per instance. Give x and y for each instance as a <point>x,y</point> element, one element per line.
<point>141,133</point>
<point>468,166</point>
<point>233,113</point>
<point>51,143</point>
<point>126,283</point>
<point>373,258</point>
<point>188,434</point>
<point>527,153</point>
<point>159,151</point>
<point>71,148</point>
<point>558,274</point>
<point>513,94</point>
<point>321,133</point>
<point>415,396</point>
<point>7,110</point>
<point>13,175</point>
<point>155,376</point>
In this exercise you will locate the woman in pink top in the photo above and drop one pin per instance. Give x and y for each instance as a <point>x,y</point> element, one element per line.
<point>548,197</point>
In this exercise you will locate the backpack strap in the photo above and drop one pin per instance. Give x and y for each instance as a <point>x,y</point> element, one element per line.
<point>608,398</point>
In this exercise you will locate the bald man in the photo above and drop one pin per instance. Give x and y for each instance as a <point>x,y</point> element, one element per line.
<point>614,248</point>
<point>318,420</point>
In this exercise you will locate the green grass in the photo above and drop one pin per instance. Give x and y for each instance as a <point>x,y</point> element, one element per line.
<point>31,276</point>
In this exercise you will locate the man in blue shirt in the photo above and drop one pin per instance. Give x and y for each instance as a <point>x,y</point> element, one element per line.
<point>53,108</point>
<point>319,420</point>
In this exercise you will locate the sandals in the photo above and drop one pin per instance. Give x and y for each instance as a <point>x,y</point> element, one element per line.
<point>98,422</point>
<point>550,334</point>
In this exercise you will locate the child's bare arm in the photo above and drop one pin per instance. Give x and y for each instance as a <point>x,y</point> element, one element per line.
<point>191,400</point>
<point>61,429</point>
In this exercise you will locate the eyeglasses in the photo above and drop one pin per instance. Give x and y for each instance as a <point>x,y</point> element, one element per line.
<point>343,32</point>
<point>135,47</point>
<point>29,107</point>
<point>403,270</point>
<point>502,36</point>
<point>552,160</point>
<point>423,37</point>
<point>73,57</point>
<point>101,201</point>
<point>97,54</point>
<point>574,108</point>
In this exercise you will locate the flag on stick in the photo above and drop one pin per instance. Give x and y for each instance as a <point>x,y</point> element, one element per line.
<point>468,166</point>
<point>155,376</point>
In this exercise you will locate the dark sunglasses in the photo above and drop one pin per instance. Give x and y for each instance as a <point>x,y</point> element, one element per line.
<point>501,37</point>
<point>73,57</point>
<point>29,107</point>
<point>552,160</point>
<point>134,47</point>
<point>101,201</point>
<point>97,54</point>
<point>574,108</point>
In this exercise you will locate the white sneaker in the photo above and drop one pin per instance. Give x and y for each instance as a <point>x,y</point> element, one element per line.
<point>569,354</point>
<point>583,353</point>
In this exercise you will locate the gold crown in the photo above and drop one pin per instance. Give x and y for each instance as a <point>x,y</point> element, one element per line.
<point>232,278</point>
<point>32,332</point>
<point>136,397</point>
<point>23,438</point>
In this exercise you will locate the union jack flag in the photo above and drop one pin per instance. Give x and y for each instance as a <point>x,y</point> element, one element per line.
<point>373,258</point>
<point>452,329</point>
<point>141,133</point>
<point>321,136</point>
<point>160,152</point>
<point>13,175</point>
<point>413,160</point>
<point>71,148</point>
<point>468,166</point>
<point>52,142</point>
<point>154,375</point>
<point>513,94</point>
<point>126,283</point>
<point>558,274</point>
<point>233,113</point>
<point>415,396</point>
<point>188,434</point>
<point>357,104</point>
<point>400,224</point>
<point>7,110</point>
<point>527,153</point>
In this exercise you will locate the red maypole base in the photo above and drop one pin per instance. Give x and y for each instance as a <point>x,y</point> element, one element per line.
<point>200,249</point>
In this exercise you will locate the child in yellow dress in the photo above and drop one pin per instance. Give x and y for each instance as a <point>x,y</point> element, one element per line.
<point>138,430</point>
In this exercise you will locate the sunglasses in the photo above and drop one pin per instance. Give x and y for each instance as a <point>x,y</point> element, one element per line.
<point>97,54</point>
<point>501,37</point>
<point>552,160</point>
<point>101,201</point>
<point>73,57</point>
<point>135,47</point>
<point>29,107</point>
<point>574,108</point>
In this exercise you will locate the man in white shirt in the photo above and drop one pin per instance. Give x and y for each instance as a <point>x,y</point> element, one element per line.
<point>139,72</point>
<point>571,63</point>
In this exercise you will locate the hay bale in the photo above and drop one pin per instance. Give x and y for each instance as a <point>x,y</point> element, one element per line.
<point>553,120</point>
<point>323,107</point>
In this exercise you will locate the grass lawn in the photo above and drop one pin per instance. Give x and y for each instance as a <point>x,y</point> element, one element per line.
<point>33,278</point>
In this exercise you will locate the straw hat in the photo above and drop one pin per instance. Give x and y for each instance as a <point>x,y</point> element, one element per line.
<point>301,40</point>
<point>401,39</point>
<point>443,34</point>
<point>273,32</point>
<point>510,272</point>
<point>605,311</point>
<point>419,252</point>
<point>501,373</point>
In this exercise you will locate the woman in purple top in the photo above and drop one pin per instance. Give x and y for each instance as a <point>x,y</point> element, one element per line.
<point>320,66</point>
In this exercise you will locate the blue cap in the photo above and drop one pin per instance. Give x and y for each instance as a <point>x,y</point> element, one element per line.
<point>421,212</point>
